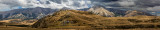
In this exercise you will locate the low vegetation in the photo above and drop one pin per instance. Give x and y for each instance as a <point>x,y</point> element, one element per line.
<point>2,23</point>
<point>82,19</point>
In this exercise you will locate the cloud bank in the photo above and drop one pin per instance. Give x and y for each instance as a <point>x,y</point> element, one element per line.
<point>146,5</point>
<point>54,4</point>
<point>151,5</point>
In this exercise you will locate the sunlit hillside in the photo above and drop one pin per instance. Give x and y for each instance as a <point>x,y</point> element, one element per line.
<point>83,19</point>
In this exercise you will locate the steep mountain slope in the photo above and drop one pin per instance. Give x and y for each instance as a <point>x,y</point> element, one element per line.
<point>83,19</point>
<point>31,13</point>
<point>68,18</point>
<point>101,11</point>
<point>131,13</point>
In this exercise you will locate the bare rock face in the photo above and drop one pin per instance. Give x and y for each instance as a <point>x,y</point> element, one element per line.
<point>131,13</point>
<point>17,16</point>
<point>101,11</point>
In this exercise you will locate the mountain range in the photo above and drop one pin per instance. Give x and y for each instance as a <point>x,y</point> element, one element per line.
<point>26,13</point>
<point>95,17</point>
<point>38,12</point>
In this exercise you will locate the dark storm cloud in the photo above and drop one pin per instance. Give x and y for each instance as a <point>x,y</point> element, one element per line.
<point>148,3</point>
<point>104,0</point>
<point>151,5</point>
<point>58,1</point>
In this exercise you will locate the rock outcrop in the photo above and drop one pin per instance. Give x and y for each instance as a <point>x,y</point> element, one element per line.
<point>17,16</point>
<point>101,11</point>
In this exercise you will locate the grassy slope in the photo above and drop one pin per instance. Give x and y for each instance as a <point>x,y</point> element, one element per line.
<point>83,18</point>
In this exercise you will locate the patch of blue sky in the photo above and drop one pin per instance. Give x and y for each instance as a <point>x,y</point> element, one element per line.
<point>158,13</point>
<point>19,7</point>
<point>89,5</point>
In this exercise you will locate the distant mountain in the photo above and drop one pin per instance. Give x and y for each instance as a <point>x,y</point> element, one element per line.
<point>17,16</point>
<point>28,13</point>
<point>131,13</point>
<point>38,12</point>
<point>117,12</point>
<point>101,11</point>
<point>128,12</point>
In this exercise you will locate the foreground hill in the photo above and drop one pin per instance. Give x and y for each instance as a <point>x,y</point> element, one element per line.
<point>84,19</point>
<point>69,18</point>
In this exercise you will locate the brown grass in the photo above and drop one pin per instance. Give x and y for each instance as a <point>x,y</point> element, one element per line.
<point>75,18</point>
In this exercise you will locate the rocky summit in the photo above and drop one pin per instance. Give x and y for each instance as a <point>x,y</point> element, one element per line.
<point>101,11</point>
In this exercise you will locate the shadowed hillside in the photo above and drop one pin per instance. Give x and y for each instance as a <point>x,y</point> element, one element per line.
<point>131,13</point>
<point>28,13</point>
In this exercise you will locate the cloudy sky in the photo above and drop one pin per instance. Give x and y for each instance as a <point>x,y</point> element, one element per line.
<point>146,5</point>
